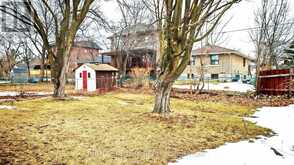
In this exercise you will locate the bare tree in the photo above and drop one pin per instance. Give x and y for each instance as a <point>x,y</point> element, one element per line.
<point>218,36</point>
<point>275,31</point>
<point>127,32</point>
<point>180,24</point>
<point>36,39</point>
<point>27,54</point>
<point>10,49</point>
<point>67,15</point>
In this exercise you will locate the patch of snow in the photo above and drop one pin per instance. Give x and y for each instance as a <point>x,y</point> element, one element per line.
<point>12,93</point>
<point>4,82</point>
<point>261,151</point>
<point>231,86</point>
<point>39,93</point>
<point>7,107</point>
<point>9,93</point>
<point>79,98</point>
<point>123,103</point>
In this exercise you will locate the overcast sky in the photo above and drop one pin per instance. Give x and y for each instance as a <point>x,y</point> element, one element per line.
<point>242,17</point>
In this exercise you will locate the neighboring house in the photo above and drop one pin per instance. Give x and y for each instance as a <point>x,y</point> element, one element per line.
<point>288,58</point>
<point>22,73</point>
<point>83,52</point>
<point>35,69</point>
<point>218,63</point>
<point>140,42</point>
<point>19,74</point>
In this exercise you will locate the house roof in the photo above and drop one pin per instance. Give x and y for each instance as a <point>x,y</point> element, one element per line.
<point>87,44</point>
<point>213,49</point>
<point>38,61</point>
<point>102,67</point>
<point>140,28</point>
<point>84,44</point>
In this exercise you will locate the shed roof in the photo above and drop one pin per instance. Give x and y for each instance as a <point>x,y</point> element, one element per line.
<point>102,67</point>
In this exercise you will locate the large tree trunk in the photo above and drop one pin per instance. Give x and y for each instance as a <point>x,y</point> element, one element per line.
<point>60,82</point>
<point>59,71</point>
<point>162,98</point>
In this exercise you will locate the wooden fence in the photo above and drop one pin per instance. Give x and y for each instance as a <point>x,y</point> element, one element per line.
<point>276,82</point>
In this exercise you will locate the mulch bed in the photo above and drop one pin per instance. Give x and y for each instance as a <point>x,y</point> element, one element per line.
<point>213,96</point>
<point>237,98</point>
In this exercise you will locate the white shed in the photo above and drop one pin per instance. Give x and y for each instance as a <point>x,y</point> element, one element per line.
<point>90,77</point>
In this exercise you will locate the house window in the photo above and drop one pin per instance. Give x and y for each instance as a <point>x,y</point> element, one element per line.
<point>244,62</point>
<point>104,59</point>
<point>214,76</point>
<point>214,59</point>
<point>81,75</point>
<point>194,60</point>
<point>192,76</point>
<point>89,75</point>
<point>188,76</point>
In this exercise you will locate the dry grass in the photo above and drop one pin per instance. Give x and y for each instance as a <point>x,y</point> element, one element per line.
<point>116,128</point>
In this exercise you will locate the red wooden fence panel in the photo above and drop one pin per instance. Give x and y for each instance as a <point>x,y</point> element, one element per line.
<point>275,82</point>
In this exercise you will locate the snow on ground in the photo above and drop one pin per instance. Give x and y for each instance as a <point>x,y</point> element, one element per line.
<point>7,107</point>
<point>231,86</point>
<point>279,119</point>
<point>4,82</point>
<point>11,93</point>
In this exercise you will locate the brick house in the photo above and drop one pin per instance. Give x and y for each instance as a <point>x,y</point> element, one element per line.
<point>81,52</point>
<point>84,52</point>
<point>218,63</point>
<point>142,48</point>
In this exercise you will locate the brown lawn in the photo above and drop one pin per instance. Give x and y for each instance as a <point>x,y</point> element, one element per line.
<point>117,128</point>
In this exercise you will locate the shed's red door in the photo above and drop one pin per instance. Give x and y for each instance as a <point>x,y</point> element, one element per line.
<point>85,80</point>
